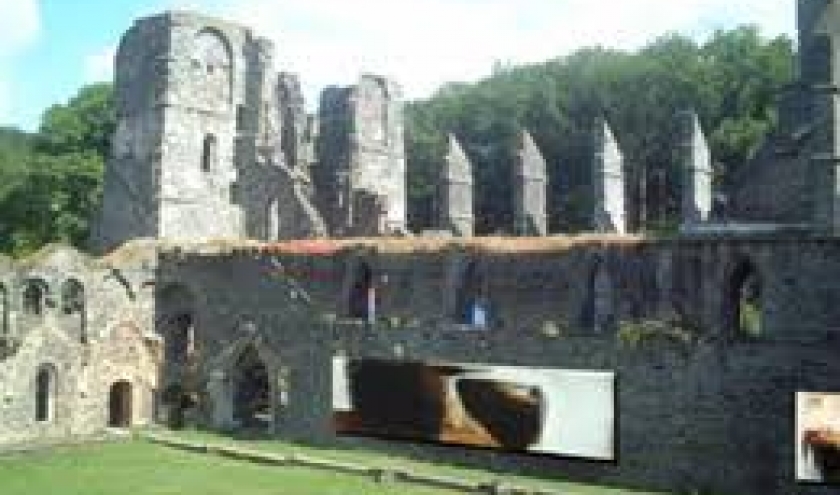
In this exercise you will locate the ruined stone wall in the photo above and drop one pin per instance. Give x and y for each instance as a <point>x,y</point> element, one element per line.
<point>85,343</point>
<point>361,151</point>
<point>700,404</point>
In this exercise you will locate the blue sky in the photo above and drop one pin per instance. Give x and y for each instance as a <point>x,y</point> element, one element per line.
<point>50,48</point>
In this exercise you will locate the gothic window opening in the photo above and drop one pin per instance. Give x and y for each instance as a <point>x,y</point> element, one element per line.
<point>212,64</point>
<point>472,305</point>
<point>273,221</point>
<point>4,310</point>
<point>209,153</point>
<point>252,407</point>
<point>180,339</point>
<point>362,301</point>
<point>745,301</point>
<point>73,304</point>
<point>34,298</point>
<point>45,394</point>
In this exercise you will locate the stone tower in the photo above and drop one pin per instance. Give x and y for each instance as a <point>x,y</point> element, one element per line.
<point>190,104</point>
<point>529,189</point>
<point>696,170</point>
<point>609,211</point>
<point>361,157</point>
<point>455,203</point>
<point>197,153</point>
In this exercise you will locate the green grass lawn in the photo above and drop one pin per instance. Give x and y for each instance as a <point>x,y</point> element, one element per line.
<point>390,460</point>
<point>141,468</point>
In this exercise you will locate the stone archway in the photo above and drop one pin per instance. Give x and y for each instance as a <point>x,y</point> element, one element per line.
<point>119,405</point>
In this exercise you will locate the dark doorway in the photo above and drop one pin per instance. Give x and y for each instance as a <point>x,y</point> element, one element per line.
<point>252,395</point>
<point>44,394</point>
<point>119,405</point>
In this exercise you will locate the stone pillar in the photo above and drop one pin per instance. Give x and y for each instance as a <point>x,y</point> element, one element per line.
<point>823,19</point>
<point>815,53</point>
<point>529,189</point>
<point>610,210</point>
<point>696,164</point>
<point>361,148</point>
<point>455,205</point>
<point>825,164</point>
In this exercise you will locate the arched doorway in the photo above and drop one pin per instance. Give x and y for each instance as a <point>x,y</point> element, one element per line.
<point>252,408</point>
<point>119,405</point>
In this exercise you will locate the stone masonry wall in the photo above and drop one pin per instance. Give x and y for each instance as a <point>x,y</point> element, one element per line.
<point>700,406</point>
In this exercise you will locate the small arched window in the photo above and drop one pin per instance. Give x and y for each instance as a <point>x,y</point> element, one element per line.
<point>362,300</point>
<point>209,153</point>
<point>180,339</point>
<point>34,297</point>
<point>273,220</point>
<point>73,304</point>
<point>72,297</point>
<point>45,393</point>
<point>744,301</point>
<point>4,310</point>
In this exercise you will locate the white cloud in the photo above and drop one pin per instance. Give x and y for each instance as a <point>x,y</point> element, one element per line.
<point>20,27</point>
<point>99,66</point>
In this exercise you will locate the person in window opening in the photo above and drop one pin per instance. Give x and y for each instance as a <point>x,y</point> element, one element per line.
<point>478,316</point>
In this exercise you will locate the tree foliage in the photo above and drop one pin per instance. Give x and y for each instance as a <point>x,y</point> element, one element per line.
<point>51,181</point>
<point>730,80</point>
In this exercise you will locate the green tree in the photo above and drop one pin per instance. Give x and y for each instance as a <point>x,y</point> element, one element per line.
<point>52,181</point>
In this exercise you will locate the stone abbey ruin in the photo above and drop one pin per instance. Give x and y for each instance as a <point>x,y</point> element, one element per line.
<point>259,275</point>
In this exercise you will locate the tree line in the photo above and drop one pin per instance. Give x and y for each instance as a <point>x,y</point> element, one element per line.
<point>51,180</point>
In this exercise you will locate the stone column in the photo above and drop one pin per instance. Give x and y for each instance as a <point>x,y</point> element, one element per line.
<point>825,152</point>
<point>610,209</point>
<point>529,189</point>
<point>456,192</point>
<point>696,164</point>
<point>825,163</point>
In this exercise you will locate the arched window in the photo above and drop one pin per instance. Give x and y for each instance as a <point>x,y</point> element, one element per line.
<point>34,297</point>
<point>213,68</point>
<point>176,324</point>
<point>599,305</point>
<point>273,220</point>
<point>180,339</point>
<point>472,305</point>
<point>209,153</point>
<point>4,310</point>
<point>73,305</point>
<point>45,394</point>
<point>362,300</point>
<point>744,302</point>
